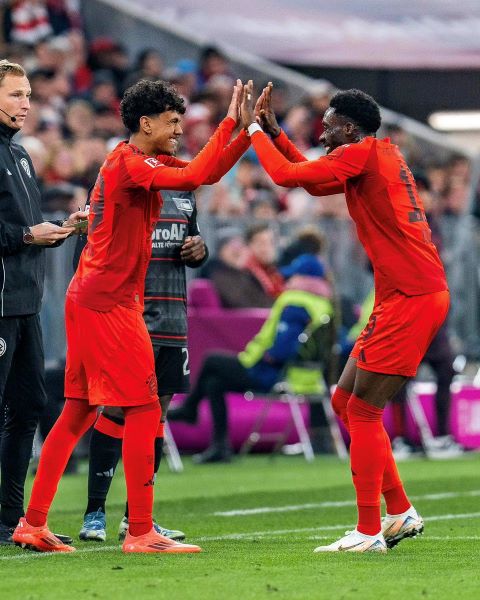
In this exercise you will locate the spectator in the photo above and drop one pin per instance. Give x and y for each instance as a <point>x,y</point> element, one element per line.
<point>262,250</point>
<point>300,309</point>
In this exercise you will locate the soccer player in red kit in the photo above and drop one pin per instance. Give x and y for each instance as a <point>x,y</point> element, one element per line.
<point>110,359</point>
<point>411,293</point>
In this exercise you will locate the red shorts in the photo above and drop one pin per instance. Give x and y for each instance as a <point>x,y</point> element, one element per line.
<point>399,332</point>
<point>109,356</point>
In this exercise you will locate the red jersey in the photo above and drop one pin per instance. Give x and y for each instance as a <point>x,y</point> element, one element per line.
<point>123,212</point>
<point>382,200</point>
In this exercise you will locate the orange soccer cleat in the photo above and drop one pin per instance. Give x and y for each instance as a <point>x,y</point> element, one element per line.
<point>154,542</point>
<point>40,539</point>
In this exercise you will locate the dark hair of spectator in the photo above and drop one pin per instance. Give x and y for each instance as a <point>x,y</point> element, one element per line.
<point>9,68</point>
<point>209,52</point>
<point>359,107</point>
<point>147,99</point>
<point>312,240</point>
<point>254,230</point>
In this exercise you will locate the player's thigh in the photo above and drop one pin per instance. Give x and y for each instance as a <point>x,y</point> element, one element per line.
<point>377,388</point>
<point>398,333</point>
<point>347,378</point>
<point>119,363</point>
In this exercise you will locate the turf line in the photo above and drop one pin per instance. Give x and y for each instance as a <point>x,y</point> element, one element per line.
<point>263,534</point>
<point>333,504</point>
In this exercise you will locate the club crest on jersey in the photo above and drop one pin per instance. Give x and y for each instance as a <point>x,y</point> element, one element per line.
<point>152,162</point>
<point>3,346</point>
<point>184,204</point>
<point>26,166</point>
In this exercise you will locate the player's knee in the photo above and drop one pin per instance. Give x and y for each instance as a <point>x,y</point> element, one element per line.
<point>113,411</point>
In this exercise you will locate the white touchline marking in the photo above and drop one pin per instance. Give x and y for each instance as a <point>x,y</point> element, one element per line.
<point>332,504</point>
<point>262,534</point>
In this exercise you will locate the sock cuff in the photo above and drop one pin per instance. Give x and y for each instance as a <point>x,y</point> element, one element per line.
<point>108,427</point>
<point>364,410</point>
<point>142,408</point>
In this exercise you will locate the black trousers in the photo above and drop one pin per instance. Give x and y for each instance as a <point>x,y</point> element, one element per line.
<point>220,373</point>
<point>23,398</point>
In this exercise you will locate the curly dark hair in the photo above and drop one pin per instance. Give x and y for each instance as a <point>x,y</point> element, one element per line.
<point>148,98</point>
<point>359,107</point>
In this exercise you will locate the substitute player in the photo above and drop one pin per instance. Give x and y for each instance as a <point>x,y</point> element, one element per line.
<point>110,359</point>
<point>411,293</point>
<point>176,243</point>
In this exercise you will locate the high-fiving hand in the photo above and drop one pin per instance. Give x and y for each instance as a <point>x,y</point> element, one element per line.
<point>247,116</point>
<point>265,114</point>
<point>234,108</point>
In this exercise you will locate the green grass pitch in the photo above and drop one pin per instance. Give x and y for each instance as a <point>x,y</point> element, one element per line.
<point>258,521</point>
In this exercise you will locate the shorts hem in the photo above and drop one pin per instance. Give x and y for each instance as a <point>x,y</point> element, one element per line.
<point>127,403</point>
<point>385,370</point>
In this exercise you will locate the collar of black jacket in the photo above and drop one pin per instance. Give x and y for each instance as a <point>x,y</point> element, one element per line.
<point>6,132</point>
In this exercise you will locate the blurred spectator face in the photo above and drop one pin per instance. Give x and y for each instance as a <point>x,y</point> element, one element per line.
<point>89,152</point>
<point>298,123</point>
<point>79,119</point>
<point>397,135</point>
<point>108,124</point>
<point>63,165</point>
<point>233,252</point>
<point>437,177</point>
<point>38,153</point>
<point>214,64</point>
<point>246,173</point>
<point>104,92</point>
<point>263,247</point>
<point>263,210</point>
<point>151,64</point>
<point>459,167</point>
<point>43,85</point>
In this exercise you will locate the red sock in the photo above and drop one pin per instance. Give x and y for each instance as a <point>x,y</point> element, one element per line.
<point>141,425</point>
<point>340,400</point>
<point>368,457</point>
<point>108,427</point>
<point>392,488</point>
<point>76,418</point>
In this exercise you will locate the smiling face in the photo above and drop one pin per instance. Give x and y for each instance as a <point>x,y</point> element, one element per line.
<point>15,95</point>
<point>337,130</point>
<point>163,132</point>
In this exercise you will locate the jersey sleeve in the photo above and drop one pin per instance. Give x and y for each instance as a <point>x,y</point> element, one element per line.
<point>229,156</point>
<point>153,175</point>
<point>293,154</point>
<point>328,169</point>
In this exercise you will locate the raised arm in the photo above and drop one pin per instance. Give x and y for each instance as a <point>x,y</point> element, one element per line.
<point>265,115</point>
<point>229,156</point>
<point>200,168</point>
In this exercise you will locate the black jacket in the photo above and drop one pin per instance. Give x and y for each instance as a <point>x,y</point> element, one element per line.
<point>22,266</point>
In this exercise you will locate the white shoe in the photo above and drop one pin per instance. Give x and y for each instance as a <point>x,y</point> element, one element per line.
<point>443,446</point>
<point>396,528</point>
<point>401,450</point>
<point>354,541</point>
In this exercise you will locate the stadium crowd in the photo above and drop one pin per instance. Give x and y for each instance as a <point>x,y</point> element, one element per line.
<point>74,119</point>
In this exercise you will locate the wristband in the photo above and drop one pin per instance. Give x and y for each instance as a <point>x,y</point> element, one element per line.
<point>253,128</point>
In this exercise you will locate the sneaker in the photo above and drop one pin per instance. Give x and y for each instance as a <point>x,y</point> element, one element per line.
<point>40,539</point>
<point>154,542</point>
<point>443,447</point>
<point>172,534</point>
<point>216,453</point>
<point>94,527</point>
<point>6,533</point>
<point>396,528</point>
<point>401,449</point>
<point>354,541</point>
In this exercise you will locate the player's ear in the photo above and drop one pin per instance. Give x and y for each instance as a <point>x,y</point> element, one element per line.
<point>145,125</point>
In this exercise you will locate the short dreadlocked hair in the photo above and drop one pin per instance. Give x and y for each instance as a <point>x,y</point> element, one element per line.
<point>359,107</point>
<point>148,98</point>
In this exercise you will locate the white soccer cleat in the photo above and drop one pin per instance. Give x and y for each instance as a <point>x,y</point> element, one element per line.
<point>354,541</point>
<point>396,528</point>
